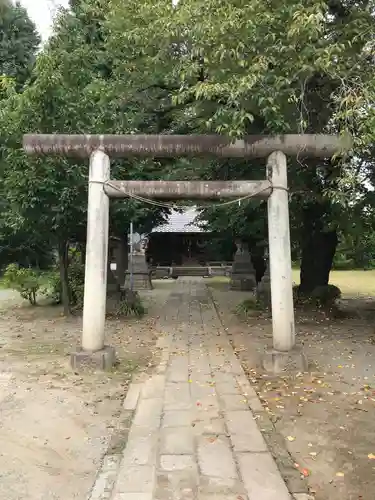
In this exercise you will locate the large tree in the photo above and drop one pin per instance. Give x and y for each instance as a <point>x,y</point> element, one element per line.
<point>19,41</point>
<point>232,67</point>
<point>70,92</point>
<point>239,67</point>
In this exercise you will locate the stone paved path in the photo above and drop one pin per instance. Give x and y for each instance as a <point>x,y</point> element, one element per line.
<point>193,436</point>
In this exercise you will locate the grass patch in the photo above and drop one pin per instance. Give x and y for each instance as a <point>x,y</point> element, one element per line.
<point>220,282</point>
<point>248,307</point>
<point>131,305</point>
<point>351,283</point>
<point>2,284</point>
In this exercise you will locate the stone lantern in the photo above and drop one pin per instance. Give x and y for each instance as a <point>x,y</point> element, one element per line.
<point>243,272</point>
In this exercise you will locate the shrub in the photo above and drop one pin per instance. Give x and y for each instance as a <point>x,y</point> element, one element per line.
<point>130,305</point>
<point>76,283</point>
<point>26,281</point>
<point>344,264</point>
<point>52,288</point>
<point>322,296</point>
<point>326,296</point>
<point>300,298</point>
<point>248,306</point>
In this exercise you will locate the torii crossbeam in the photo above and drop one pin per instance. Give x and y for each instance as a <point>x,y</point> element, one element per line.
<point>275,187</point>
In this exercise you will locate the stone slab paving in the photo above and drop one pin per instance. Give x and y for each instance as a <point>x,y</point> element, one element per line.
<point>193,435</point>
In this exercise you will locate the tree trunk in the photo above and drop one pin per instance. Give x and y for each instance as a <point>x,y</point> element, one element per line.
<point>82,249</point>
<point>32,298</point>
<point>318,251</point>
<point>63,268</point>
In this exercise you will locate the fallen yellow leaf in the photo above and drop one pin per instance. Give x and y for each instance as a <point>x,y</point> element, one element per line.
<point>371,456</point>
<point>340,474</point>
<point>291,438</point>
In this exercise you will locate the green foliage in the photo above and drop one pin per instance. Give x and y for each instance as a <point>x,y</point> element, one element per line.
<point>130,305</point>
<point>18,43</point>
<point>71,91</point>
<point>259,68</point>
<point>323,297</point>
<point>53,287</point>
<point>240,65</point>
<point>357,246</point>
<point>326,296</point>
<point>26,281</point>
<point>234,68</point>
<point>76,282</point>
<point>342,263</point>
<point>248,306</point>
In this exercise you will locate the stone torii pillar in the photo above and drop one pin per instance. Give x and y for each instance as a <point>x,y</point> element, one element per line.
<point>92,350</point>
<point>100,147</point>
<point>280,267</point>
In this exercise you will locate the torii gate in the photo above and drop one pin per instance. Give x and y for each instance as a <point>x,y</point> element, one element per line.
<point>275,187</point>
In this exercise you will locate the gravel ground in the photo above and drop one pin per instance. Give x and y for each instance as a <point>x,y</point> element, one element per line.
<point>326,417</point>
<point>55,424</point>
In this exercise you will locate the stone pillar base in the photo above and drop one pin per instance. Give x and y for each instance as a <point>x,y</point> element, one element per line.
<point>98,360</point>
<point>277,362</point>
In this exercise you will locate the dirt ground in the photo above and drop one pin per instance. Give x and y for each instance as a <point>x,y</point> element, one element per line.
<point>55,425</point>
<point>327,417</point>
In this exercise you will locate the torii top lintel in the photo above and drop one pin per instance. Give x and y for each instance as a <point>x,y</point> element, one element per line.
<point>253,146</point>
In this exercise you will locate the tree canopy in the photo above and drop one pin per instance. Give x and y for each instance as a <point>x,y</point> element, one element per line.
<point>18,42</point>
<point>229,67</point>
<point>263,67</point>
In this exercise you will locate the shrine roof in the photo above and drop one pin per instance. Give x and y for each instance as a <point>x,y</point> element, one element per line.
<point>181,222</point>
